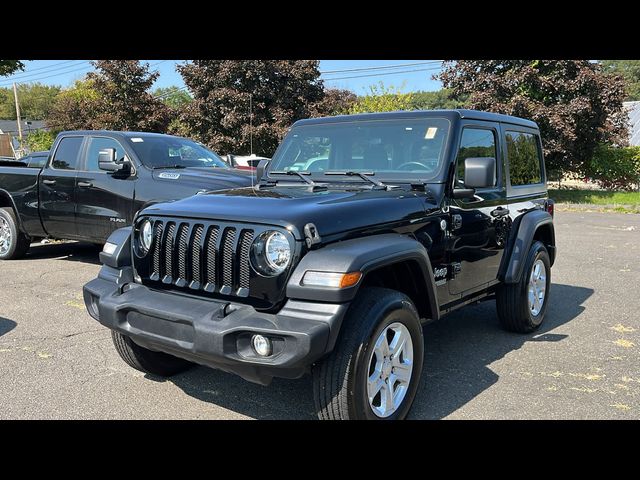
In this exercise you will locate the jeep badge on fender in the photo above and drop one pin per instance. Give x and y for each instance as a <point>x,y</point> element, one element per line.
<point>360,230</point>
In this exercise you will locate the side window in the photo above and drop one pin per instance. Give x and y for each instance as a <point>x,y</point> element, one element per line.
<point>524,157</point>
<point>66,156</point>
<point>475,142</point>
<point>95,145</point>
<point>37,161</point>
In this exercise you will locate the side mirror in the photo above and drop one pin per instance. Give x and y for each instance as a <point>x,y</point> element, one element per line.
<point>107,161</point>
<point>262,166</point>
<point>479,172</point>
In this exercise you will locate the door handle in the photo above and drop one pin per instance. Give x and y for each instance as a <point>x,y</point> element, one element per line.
<point>85,184</point>
<point>49,182</point>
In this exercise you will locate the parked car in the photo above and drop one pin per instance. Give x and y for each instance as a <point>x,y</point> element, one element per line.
<point>362,229</point>
<point>93,182</point>
<point>244,162</point>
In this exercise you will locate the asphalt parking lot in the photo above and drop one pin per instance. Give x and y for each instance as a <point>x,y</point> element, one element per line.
<point>58,363</point>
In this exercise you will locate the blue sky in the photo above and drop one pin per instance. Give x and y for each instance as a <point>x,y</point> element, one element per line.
<point>409,75</point>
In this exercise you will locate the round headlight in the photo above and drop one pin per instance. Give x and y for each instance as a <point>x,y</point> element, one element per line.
<point>146,235</point>
<point>270,253</point>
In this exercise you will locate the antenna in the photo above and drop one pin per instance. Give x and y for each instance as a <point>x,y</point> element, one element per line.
<point>251,123</point>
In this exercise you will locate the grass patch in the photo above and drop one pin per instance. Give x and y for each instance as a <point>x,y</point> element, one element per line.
<point>596,197</point>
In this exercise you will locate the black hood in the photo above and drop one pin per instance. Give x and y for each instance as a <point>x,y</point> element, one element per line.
<point>332,211</point>
<point>205,178</point>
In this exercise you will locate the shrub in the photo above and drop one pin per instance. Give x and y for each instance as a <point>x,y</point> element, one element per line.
<point>615,168</point>
<point>39,140</point>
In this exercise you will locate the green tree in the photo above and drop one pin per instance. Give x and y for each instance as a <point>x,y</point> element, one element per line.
<point>35,99</point>
<point>39,140</point>
<point>630,71</point>
<point>438,100</point>
<point>7,67</point>
<point>174,97</point>
<point>125,101</point>
<point>576,105</point>
<point>75,108</point>
<point>280,91</point>
<point>382,98</point>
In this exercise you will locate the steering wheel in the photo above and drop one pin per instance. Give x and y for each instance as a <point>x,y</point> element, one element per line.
<point>408,165</point>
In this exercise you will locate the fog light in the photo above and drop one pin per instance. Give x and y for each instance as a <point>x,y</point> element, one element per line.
<point>262,345</point>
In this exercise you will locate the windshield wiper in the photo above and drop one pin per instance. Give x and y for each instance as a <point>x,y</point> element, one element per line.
<point>293,172</point>
<point>161,167</point>
<point>364,176</point>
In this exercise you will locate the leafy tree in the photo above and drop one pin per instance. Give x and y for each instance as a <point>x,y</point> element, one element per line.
<point>630,71</point>
<point>382,99</point>
<point>125,102</point>
<point>281,92</point>
<point>75,108</point>
<point>39,140</point>
<point>174,97</point>
<point>7,67</point>
<point>438,100</point>
<point>334,102</point>
<point>35,99</point>
<point>575,103</point>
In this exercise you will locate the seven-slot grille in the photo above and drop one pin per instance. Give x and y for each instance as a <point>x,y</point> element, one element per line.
<point>201,256</point>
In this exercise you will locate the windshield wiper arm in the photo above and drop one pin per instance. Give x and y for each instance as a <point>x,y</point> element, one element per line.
<point>293,172</point>
<point>168,166</point>
<point>364,176</point>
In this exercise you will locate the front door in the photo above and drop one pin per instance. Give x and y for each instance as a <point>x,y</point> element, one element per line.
<point>57,189</point>
<point>477,224</point>
<point>105,200</point>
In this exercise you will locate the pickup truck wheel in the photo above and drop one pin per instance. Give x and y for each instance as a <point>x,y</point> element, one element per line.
<point>374,370</point>
<point>13,243</point>
<point>148,361</point>
<point>521,306</point>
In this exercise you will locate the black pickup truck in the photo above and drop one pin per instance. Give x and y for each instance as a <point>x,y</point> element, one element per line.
<point>94,182</point>
<point>361,229</point>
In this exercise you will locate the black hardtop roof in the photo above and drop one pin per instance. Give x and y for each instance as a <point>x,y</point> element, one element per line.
<point>450,114</point>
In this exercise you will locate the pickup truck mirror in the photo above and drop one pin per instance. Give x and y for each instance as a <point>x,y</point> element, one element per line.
<point>262,166</point>
<point>107,161</point>
<point>479,172</point>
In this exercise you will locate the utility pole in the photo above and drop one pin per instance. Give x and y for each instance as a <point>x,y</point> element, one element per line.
<point>15,95</point>
<point>250,123</point>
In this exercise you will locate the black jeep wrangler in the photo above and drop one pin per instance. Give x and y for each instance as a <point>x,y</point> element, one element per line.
<point>359,231</point>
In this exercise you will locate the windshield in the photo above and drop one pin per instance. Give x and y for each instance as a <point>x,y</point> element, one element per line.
<point>167,151</point>
<point>393,149</point>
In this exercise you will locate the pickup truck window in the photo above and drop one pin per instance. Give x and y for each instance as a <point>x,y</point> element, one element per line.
<point>95,145</point>
<point>525,158</point>
<point>66,156</point>
<point>166,151</point>
<point>475,142</point>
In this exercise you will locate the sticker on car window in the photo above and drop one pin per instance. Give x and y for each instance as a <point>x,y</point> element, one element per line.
<point>137,140</point>
<point>431,133</point>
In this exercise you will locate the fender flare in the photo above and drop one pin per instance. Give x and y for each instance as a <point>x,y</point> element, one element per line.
<point>523,231</point>
<point>363,255</point>
<point>3,194</point>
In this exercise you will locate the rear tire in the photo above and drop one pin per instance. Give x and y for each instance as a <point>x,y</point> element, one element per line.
<point>13,243</point>
<point>342,382</point>
<point>148,361</point>
<point>515,310</point>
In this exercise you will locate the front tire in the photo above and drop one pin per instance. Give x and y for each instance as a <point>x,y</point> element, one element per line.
<point>148,361</point>
<point>374,370</point>
<point>13,243</point>
<point>521,306</point>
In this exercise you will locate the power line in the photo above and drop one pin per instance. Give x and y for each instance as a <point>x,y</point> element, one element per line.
<point>74,69</point>
<point>385,67</point>
<point>380,74</point>
<point>42,68</point>
<point>20,78</point>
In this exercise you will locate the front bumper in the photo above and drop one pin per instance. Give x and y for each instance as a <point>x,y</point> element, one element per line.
<point>216,334</point>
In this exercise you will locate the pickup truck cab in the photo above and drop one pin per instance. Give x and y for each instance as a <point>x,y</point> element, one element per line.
<point>361,229</point>
<point>93,182</point>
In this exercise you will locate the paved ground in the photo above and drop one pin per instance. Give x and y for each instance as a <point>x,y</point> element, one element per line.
<point>56,362</point>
